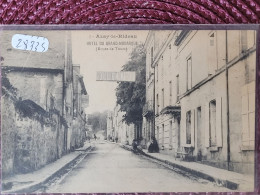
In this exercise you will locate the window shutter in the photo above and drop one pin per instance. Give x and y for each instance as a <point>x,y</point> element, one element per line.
<point>43,92</point>
<point>251,114</point>
<point>206,125</point>
<point>192,128</point>
<point>219,121</point>
<point>183,132</point>
<point>251,97</point>
<point>245,135</point>
<point>248,114</point>
<point>251,129</point>
<point>212,54</point>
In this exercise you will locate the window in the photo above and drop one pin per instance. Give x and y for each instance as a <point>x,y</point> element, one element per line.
<point>67,110</point>
<point>248,116</point>
<point>169,54</point>
<point>151,56</point>
<point>162,67</point>
<point>148,68</point>
<point>43,92</point>
<point>170,135</point>
<point>212,39</point>
<point>243,40</point>
<point>177,87</point>
<point>212,123</point>
<point>139,130</point>
<point>158,133</point>
<point>188,127</point>
<point>157,72</point>
<point>51,102</point>
<point>170,93</point>
<point>198,128</point>
<point>163,134</point>
<point>212,54</point>
<point>162,98</point>
<point>158,106</point>
<point>189,73</point>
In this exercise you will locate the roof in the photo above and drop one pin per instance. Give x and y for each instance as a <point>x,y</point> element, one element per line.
<point>83,88</point>
<point>181,37</point>
<point>30,69</point>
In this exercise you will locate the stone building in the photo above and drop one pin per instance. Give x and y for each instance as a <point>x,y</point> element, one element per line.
<point>163,117</point>
<point>119,130</point>
<point>148,109</point>
<point>110,129</point>
<point>205,96</point>
<point>80,102</point>
<point>37,102</point>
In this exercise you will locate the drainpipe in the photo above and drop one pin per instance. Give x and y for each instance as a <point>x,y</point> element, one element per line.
<point>227,92</point>
<point>154,101</point>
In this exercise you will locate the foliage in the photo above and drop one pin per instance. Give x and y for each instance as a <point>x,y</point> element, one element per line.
<point>131,95</point>
<point>98,121</point>
<point>7,87</point>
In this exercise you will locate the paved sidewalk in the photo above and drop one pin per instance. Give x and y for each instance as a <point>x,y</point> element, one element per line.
<point>225,178</point>
<point>30,181</point>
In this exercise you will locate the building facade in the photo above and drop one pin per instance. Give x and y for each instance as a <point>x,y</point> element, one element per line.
<point>80,103</point>
<point>118,130</point>
<point>110,127</point>
<point>161,91</point>
<point>204,95</point>
<point>149,107</point>
<point>37,103</point>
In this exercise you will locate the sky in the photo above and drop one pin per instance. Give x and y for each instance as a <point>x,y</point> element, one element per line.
<point>102,51</point>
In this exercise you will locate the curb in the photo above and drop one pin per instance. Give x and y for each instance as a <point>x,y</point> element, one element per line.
<point>36,186</point>
<point>224,183</point>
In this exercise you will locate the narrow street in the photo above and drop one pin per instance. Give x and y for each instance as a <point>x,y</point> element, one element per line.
<point>109,168</point>
<point>73,103</point>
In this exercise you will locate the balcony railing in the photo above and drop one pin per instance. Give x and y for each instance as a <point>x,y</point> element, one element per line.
<point>175,110</point>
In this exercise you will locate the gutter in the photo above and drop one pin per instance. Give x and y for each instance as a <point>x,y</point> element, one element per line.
<point>227,92</point>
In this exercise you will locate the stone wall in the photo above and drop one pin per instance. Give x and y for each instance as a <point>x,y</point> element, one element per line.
<point>31,136</point>
<point>8,130</point>
<point>78,135</point>
<point>47,85</point>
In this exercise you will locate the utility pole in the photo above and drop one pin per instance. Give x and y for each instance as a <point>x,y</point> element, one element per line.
<point>227,96</point>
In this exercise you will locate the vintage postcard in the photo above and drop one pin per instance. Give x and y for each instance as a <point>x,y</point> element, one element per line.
<point>139,110</point>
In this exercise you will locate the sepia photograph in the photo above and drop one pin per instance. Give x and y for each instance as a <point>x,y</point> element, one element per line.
<point>113,111</point>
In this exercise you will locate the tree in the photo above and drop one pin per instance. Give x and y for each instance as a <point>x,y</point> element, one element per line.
<point>131,95</point>
<point>98,121</point>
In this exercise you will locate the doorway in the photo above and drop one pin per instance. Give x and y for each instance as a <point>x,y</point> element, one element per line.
<point>178,134</point>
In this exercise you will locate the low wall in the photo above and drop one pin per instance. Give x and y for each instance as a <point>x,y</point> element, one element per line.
<point>77,136</point>
<point>31,137</point>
